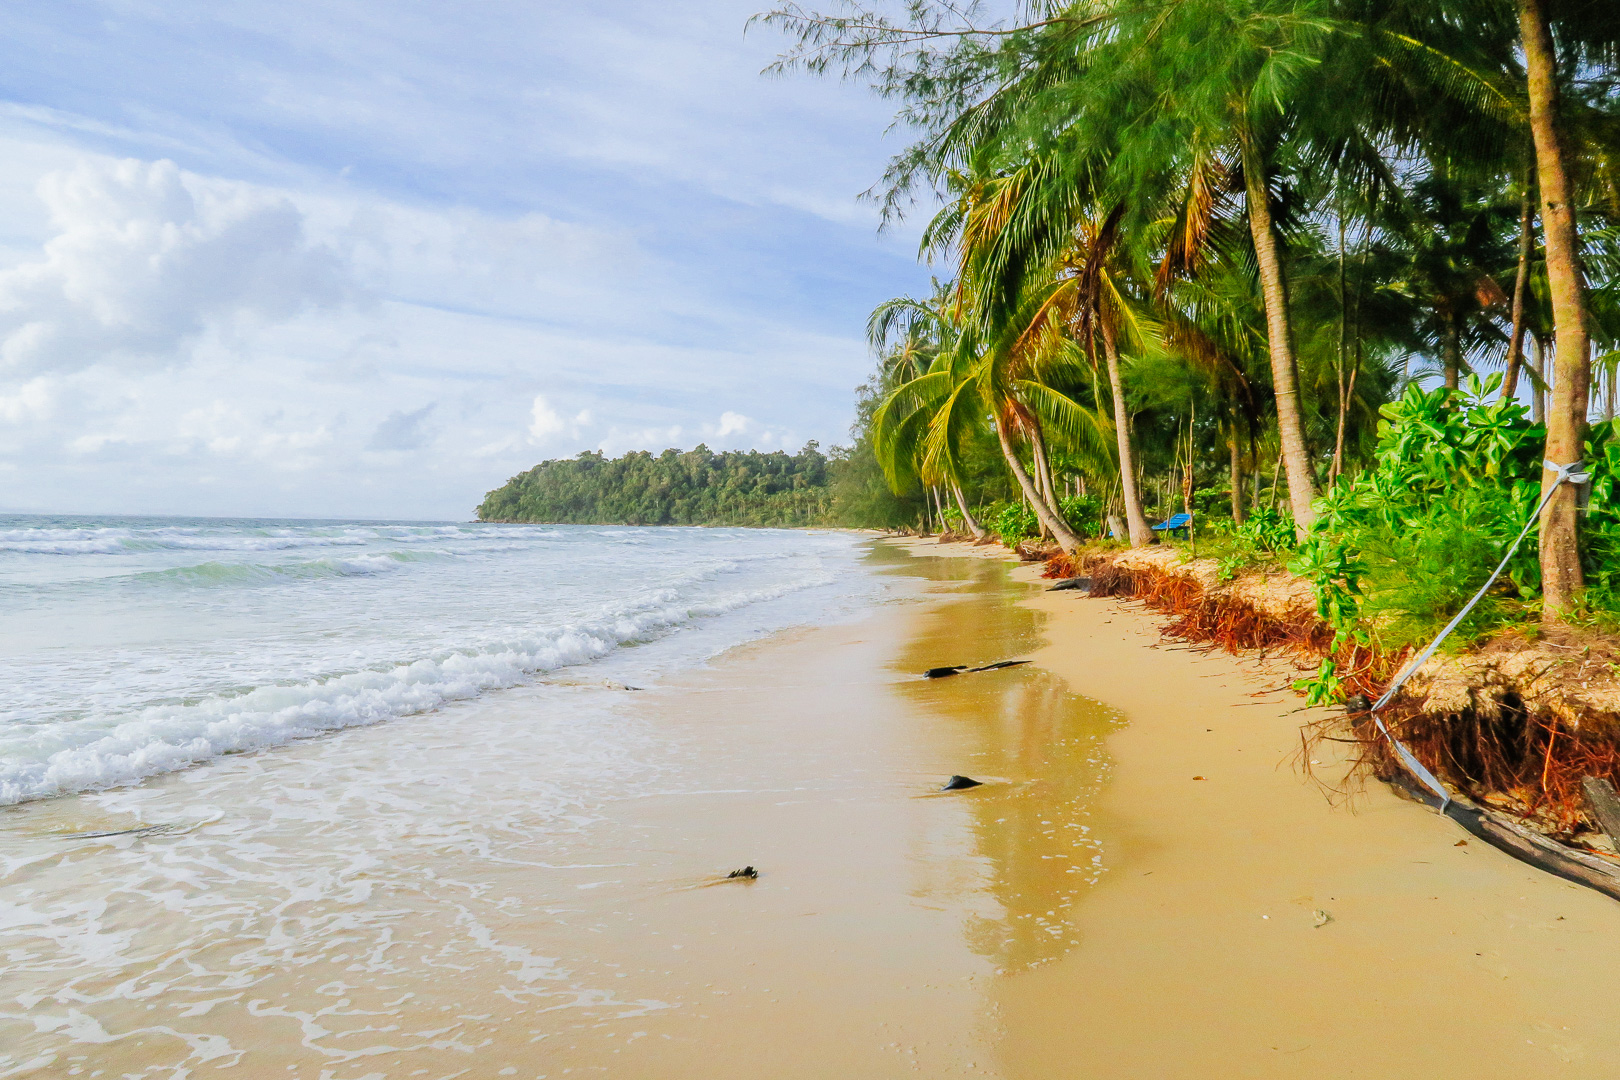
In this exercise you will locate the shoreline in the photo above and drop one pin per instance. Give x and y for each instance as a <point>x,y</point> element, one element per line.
<point>1437,958</point>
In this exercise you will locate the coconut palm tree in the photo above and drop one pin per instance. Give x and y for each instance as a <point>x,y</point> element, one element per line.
<point>917,342</point>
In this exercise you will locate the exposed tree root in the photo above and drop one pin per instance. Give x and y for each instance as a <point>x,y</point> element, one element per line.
<point>1514,728</point>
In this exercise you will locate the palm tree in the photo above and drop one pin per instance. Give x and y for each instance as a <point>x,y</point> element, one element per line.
<point>1452,236</point>
<point>1561,576</point>
<point>1079,135</point>
<point>1086,296</point>
<point>918,344</point>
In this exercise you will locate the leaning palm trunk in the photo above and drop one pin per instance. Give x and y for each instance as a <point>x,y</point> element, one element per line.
<point>1237,478</point>
<point>1043,475</point>
<point>1561,577</point>
<point>1346,395</point>
<point>968,519</point>
<point>1279,335</point>
<point>1136,522</point>
<point>1521,287</point>
<point>1065,536</point>
<point>1450,346</point>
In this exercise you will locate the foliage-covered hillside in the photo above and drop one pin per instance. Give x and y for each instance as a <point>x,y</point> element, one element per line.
<point>695,487</point>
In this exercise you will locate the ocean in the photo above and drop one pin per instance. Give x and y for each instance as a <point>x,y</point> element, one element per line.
<point>131,647</point>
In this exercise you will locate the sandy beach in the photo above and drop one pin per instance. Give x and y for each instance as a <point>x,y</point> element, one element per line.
<point>1201,952</point>
<point>1146,884</point>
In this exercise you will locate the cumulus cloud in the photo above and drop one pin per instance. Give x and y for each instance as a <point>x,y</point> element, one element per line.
<point>31,401</point>
<point>146,257</point>
<point>547,424</point>
<point>731,424</point>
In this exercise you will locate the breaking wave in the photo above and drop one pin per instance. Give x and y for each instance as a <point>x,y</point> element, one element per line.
<point>65,758</point>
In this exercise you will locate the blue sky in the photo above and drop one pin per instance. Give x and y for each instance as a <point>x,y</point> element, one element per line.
<point>372,258</point>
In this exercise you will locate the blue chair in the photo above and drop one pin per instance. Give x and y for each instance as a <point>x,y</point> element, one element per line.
<point>1179,523</point>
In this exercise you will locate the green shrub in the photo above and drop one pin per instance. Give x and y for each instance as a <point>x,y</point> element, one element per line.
<point>1083,513</point>
<point>1012,522</point>
<point>1396,552</point>
<point>1265,535</point>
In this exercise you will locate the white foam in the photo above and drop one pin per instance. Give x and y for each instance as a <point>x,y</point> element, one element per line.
<point>127,541</point>
<point>67,758</point>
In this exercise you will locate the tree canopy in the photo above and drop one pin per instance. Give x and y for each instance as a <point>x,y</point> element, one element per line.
<point>694,487</point>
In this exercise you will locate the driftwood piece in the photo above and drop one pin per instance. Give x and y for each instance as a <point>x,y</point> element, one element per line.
<point>1604,804</point>
<point>957,669</point>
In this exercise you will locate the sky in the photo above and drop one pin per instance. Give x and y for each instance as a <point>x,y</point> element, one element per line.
<point>370,259</point>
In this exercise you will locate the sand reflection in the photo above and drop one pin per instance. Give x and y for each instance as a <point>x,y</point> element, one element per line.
<point>1040,745</point>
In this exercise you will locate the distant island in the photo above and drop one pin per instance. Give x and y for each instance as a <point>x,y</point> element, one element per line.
<point>693,487</point>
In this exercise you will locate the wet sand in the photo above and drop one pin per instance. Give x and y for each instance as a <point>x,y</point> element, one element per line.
<point>388,902</point>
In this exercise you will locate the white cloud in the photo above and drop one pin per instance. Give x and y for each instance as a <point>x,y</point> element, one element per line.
<point>146,258</point>
<point>31,401</point>
<point>546,421</point>
<point>547,425</point>
<point>609,211</point>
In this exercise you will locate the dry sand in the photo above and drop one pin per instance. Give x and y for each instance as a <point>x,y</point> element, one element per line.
<point>1133,894</point>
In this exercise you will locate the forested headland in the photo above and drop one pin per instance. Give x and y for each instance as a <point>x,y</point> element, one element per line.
<point>700,487</point>
<point>695,487</point>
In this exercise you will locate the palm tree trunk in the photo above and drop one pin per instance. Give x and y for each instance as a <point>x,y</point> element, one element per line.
<point>968,519</point>
<point>1136,522</point>
<point>1344,339</point>
<point>1344,417</point>
<point>1561,577</point>
<point>1237,478</point>
<point>1538,392</point>
<point>1279,335</point>
<point>1065,536</point>
<point>1521,288</point>
<point>1450,346</point>
<point>1043,474</point>
<point>1349,395</point>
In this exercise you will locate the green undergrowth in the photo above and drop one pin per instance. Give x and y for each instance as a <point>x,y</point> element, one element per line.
<point>1397,550</point>
<point>1012,522</point>
<point>1264,541</point>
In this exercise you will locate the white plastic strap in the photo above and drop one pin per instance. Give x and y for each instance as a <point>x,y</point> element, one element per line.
<point>1561,474</point>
